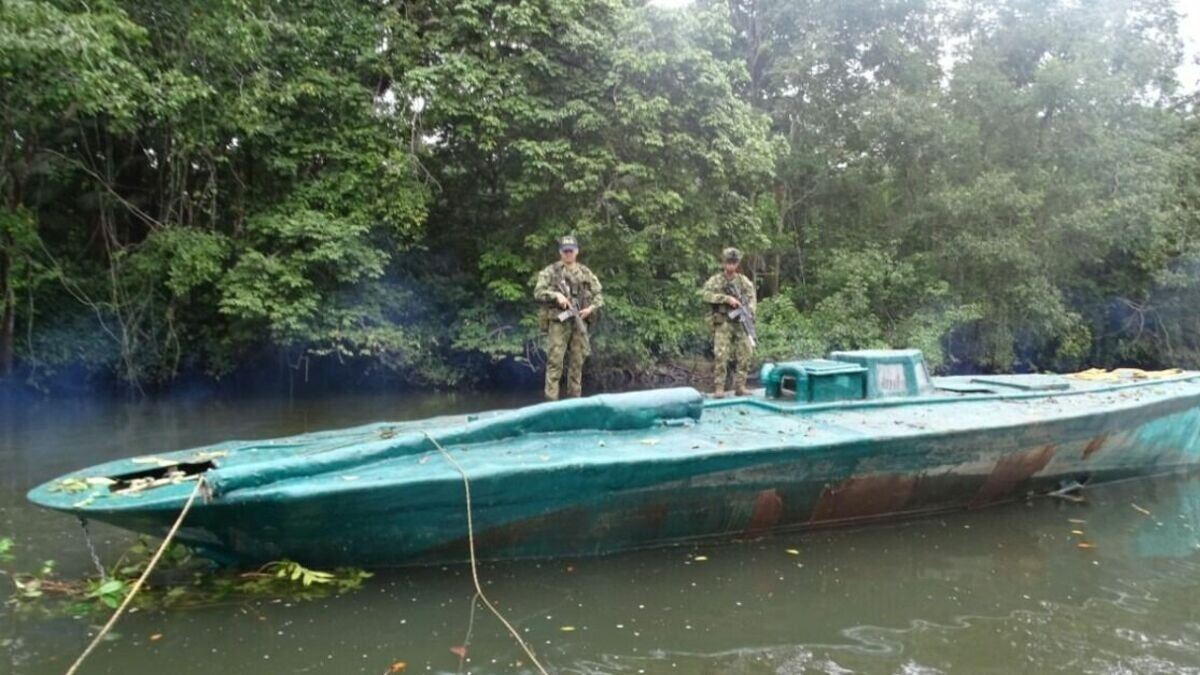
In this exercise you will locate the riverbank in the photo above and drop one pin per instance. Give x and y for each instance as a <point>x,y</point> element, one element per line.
<point>310,377</point>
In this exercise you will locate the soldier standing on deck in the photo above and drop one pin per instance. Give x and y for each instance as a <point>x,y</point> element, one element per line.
<point>559,287</point>
<point>730,340</point>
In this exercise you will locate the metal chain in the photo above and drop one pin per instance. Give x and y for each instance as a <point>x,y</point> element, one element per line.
<point>87,537</point>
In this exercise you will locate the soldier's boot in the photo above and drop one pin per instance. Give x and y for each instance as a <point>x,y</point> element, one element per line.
<point>739,384</point>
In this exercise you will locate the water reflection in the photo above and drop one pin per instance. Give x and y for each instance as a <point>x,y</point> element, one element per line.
<point>1174,530</point>
<point>1001,590</point>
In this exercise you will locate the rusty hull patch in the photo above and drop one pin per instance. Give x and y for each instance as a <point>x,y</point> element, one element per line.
<point>1011,471</point>
<point>768,509</point>
<point>1094,445</point>
<point>863,497</point>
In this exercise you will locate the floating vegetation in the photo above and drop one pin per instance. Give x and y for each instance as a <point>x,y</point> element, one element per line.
<point>70,485</point>
<point>282,577</point>
<point>180,581</point>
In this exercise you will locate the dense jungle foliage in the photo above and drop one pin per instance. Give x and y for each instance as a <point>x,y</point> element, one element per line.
<point>193,186</point>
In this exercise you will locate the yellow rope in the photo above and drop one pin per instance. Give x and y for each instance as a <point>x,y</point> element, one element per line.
<point>474,565</point>
<point>1120,374</point>
<point>137,586</point>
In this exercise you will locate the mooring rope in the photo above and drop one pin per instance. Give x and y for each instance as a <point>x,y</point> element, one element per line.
<point>137,586</point>
<point>474,564</point>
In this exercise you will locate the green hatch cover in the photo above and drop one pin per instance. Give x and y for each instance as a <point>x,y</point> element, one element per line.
<point>891,372</point>
<point>848,376</point>
<point>815,380</point>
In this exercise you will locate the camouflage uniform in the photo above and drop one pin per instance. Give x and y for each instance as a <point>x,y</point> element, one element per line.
<point>729,338</point>
<point>563,338</point>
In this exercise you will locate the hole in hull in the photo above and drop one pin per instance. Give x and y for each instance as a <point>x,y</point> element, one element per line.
<point>145,477</point>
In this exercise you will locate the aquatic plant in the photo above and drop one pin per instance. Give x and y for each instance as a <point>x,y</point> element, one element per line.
<point>181,580</point>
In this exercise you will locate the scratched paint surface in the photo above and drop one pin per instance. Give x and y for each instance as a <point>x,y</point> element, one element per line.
<point>742,468</point>
<point>1005,589</point>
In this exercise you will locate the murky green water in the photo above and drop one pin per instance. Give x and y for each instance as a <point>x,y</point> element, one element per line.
<point>996,591</point>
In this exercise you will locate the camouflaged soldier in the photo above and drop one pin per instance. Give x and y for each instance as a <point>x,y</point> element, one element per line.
<point>561,287</point>
<point>730,340</point>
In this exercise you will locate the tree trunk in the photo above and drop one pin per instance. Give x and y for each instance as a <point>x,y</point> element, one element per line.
<point>774,281</point>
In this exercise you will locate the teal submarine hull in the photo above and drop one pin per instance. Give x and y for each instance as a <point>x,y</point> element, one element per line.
<point>864,437</point>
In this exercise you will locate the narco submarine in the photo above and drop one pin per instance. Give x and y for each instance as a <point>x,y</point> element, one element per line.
<point>859,437</point>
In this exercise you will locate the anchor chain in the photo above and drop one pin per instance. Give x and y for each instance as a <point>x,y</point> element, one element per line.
<point>87,537</point>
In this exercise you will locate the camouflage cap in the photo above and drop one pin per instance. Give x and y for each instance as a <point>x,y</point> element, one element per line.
<point>731,255</point>
<point>568,242</point>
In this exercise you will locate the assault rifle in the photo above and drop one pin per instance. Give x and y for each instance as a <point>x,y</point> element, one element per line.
<point>741,314</point>
<point>572,312</point>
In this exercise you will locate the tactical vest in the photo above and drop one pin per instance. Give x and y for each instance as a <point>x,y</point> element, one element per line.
<point>581,292</point>
<point>720,310</point>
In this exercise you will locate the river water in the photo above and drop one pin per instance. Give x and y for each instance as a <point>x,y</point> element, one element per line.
<point>1001,590</point>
